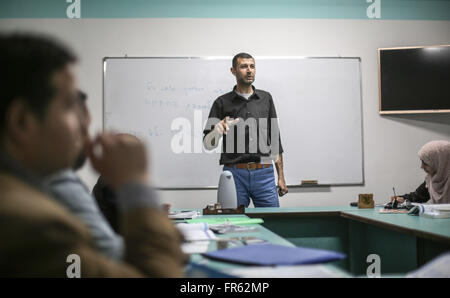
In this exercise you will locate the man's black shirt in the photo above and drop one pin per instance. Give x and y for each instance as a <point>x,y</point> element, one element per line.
<point>259,119</point>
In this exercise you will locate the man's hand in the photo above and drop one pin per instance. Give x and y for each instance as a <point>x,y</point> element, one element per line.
<point>123,159</point>
<point>282,188</point>
<point>223,126</point>
<point>211,140</point>
<point>399,199</point>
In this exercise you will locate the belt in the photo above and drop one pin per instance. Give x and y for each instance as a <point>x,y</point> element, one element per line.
<point>248,166</point>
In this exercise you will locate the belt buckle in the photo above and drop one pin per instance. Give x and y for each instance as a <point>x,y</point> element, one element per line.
<point>249,163</point>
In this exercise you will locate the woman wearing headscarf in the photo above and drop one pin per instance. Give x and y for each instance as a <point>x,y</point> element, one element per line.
<point>435,158</point>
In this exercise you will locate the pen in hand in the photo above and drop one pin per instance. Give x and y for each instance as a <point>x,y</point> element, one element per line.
<point>395,202</point>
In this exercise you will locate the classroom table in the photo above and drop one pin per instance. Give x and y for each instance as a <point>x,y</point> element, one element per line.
<point>402,241</point>
<point>262,233</point>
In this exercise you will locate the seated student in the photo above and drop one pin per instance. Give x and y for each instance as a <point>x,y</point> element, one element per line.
<point>107,201</point>
<point>40,134</point>
<point>435,158</point>
<point>71,192</point>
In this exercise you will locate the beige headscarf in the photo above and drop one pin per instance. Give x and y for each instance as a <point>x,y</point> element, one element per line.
<point>436,154</point>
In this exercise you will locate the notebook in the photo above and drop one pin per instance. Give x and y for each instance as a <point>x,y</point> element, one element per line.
<point>271,255</point>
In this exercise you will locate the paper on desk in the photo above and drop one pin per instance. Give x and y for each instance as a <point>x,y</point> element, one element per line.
<point>184,214</point>
<point>393,211</point>
<point>196,247</point>
<point>225,220</point>
<point>299,271</point>
<point>231,228</point>
<point>196,232</point>
<point>197,237</point>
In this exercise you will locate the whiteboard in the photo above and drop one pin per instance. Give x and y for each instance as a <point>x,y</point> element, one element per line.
<point>166,101</point>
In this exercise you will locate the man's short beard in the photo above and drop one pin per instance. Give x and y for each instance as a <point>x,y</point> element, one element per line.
<point>243,82</point>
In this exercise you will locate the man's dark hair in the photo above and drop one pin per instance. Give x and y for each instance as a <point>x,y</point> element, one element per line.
<point>81,158</point>
<point>82,98</point>
<point>241,55</point>
<point>27,65</point>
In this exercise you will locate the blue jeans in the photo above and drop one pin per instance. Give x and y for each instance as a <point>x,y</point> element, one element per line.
<point>259,185</point>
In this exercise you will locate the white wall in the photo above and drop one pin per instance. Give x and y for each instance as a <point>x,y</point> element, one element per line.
<point>391,143</point>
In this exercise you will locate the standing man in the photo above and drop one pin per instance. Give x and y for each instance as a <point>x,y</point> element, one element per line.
<point>247,120</point>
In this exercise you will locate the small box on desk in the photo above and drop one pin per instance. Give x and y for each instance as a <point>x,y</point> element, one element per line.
<point>365,201</point>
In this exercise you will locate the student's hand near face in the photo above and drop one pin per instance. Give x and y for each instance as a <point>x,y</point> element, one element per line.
<point>123,159</point>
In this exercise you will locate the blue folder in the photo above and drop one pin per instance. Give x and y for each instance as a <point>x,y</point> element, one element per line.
<point>272,255</point>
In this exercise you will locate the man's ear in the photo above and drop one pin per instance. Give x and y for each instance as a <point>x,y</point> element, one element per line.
<point>21,122</point>
<point>233,71</point>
